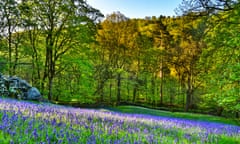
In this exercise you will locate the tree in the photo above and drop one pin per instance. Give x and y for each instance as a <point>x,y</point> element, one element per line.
<point>221,56</point>
<point>221,59</point>
<point>162,41</point>
<point>59,22</point>
<point>205,7</point>
<point>9,14</point>
<point>113,51</point>
<point>186,53</point>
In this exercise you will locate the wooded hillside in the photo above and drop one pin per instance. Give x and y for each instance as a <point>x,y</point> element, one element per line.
<point>71,53</point>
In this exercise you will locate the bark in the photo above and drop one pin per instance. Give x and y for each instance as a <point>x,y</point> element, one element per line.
<point>161,87</point>
<point>135,89</point>
<point>36,76</point>
<point>10,48</point>
<point>134,93</point>
<point>100,88</point>
<point>219,111</point>
<point>128,89</point>
<point>16,56</point>
<point>110,91</point>
<point>161,81</point>
<point>237,115</point>
<point>171,96</point>
<point>49,63</point>
<point>118,88</point>
<point>189,94</point>
<point>188,100</point>
<point>50,84</point>
<point>153,90</point>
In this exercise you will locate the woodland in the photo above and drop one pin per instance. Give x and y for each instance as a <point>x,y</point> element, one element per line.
<point>75,55</point>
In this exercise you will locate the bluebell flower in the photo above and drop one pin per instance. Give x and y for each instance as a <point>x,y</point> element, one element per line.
<point>91,139</point>
<point>35,133</point>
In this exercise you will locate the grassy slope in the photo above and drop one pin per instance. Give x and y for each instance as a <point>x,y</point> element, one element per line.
<point>192,116</point>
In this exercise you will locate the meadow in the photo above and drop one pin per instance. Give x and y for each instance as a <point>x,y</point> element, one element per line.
<point>24,122</point>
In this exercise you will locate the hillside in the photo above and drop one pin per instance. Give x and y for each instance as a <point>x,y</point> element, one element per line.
<point>28,122</point>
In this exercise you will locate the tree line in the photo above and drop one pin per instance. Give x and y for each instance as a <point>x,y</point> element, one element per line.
<point>65,48</point>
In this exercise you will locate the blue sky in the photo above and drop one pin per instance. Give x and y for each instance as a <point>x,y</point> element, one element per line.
<point>137,8</point>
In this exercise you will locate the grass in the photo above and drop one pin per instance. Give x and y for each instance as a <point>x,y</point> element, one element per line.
<point>191,116</point>
<point>4,138</point>
<point>28,122</point>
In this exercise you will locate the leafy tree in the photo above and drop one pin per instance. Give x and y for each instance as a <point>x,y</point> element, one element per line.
<point>9,15</point>
<point>162,41</point>
<point>222,61</point>
<point>113,52</point>
<point>59,22</point>
<point>186,53</point>
<point>221,57</point>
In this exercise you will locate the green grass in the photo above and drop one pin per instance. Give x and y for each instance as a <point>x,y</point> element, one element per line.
<point>81,125</point>
<point>192,116</point>
<point>4,138</point>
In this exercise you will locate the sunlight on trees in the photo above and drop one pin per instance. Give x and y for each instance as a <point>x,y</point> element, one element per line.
<point>189,62</point>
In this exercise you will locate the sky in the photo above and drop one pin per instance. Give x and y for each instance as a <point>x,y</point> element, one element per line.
<point>137,8</point>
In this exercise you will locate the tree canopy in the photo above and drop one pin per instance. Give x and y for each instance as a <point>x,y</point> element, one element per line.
<point>73,55</point>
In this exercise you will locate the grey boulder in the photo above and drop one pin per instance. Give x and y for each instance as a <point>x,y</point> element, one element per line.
<point>33,94</point>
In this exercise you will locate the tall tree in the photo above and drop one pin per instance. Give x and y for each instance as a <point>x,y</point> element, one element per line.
<point>9,15</point>
<point>113,50</point>
<point>162,41</point>
<point>186,53</point>
<point>221,57</point>
<point>60,23</point>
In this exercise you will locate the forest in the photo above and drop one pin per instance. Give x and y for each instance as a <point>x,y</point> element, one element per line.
<point>74,54</point>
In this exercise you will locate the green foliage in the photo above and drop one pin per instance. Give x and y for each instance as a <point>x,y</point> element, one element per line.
<point>187,62</point>
<point>221,61</point>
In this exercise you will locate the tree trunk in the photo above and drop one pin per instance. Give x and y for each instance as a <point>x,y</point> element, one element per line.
<point>219,111</point>
<point>135,89</point>
<point>189,94</point>
<point>49,64</point>
<point>118,88</point>
<point>52,73</point>
<point>10,49</point>
<point>153,90</point>
<point>188,100</point>
<point>171,95</point>
<point>237,115</point>
<point>110,91</point>
<point>100,88</point>
<point>16,56</point>
<point>50,82</point>
<point>161,87</point>
<point>146,89</point>
<point>161,74</point>
<point>36,76</point>
<point>128,90</point>
<point>134,93</point>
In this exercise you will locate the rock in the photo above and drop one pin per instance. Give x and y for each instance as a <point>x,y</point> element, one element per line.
<point>25,84</point>
<point>18,88</point>
<point>33,94</point>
